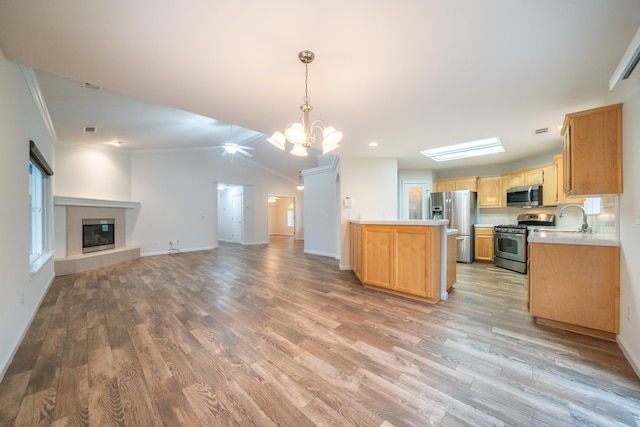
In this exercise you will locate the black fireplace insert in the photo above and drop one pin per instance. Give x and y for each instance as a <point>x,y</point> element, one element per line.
<point>98,235</point>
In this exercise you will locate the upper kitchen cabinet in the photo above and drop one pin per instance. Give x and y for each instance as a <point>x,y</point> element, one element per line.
<point>490,192</point>
<point>592,151</point>
<point>513,180</point>
<point>560,197</point>
<point>549,184</point>
<point>457,184</point>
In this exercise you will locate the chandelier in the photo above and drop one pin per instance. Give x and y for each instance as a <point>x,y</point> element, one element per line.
<point>301,133</point>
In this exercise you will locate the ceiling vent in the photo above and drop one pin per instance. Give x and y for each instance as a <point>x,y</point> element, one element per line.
<point>90,86</point>
<point>540,131</point>
<point>89,129</point>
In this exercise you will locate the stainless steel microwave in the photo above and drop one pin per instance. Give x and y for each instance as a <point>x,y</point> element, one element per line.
<point>525,197</point>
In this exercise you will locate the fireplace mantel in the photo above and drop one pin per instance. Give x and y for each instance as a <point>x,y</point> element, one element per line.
<point>79,201</point>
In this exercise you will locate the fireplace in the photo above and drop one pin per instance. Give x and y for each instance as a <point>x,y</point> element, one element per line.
<point>98,234</point>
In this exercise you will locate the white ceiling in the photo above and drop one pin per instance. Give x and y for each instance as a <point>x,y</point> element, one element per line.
<point>410,74</point>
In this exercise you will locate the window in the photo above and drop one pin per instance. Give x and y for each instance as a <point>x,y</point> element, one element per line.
<point>39,189</point>
<point>36,203</point>
<point>290,214</point>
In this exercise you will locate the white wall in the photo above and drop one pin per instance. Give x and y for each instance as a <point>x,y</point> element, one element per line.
<point>372,185</point>
<point>178,196</point>
<point>93,172</point>
<point>20,121</point>
<point>321,209</point>
<point>629,337</point>
<point>178,200</point>
<point>176,190</point>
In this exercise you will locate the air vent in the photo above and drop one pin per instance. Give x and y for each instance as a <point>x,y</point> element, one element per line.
<point>90,129</point>
<point>90,86</point>
<point>540,131</point>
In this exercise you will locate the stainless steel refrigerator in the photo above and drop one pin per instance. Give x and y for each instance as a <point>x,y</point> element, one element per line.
<point>460,208</point>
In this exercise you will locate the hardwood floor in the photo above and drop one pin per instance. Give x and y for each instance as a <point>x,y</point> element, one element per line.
<point>266,335</point>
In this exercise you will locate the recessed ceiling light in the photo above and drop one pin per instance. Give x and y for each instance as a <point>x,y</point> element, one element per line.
<point>373,144</point>
<point>468,149</point>
<point>116,143</point>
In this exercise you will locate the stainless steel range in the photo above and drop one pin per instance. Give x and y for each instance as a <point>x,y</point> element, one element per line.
<point>510,240</point>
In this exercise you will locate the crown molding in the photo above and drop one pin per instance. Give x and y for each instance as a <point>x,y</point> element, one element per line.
<point>36,93</point>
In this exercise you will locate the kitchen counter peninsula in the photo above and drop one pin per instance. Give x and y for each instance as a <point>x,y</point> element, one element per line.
<point>574,282</point>
<point>411,258</point>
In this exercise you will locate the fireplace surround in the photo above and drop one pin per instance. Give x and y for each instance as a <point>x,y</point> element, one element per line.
<point>71,212</point>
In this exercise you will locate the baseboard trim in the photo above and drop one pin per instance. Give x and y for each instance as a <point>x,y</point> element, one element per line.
<point>320,253</point>
<point>205,248</point>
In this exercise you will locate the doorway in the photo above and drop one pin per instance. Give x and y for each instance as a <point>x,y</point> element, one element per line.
<point>230,209</point>
<point>415,196</point>
<point>282,216</point>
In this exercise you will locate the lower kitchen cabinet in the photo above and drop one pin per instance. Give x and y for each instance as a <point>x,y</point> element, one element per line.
<point>576,287</point>
<point>484,244</point>
<point>403,259</point>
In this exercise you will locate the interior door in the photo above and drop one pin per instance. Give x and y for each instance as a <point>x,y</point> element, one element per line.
<point>415,196</point>
<point>236,218</point>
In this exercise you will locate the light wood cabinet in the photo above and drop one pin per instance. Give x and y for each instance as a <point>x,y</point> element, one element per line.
<point>470,183</point>
<point>533,177</point>
<point>355,249</point>
<point>414,269</point>
<point>452,259</point>
<point>592,151</point>
<point>444,185</point>
<point>377,255</point>
<point>562,198</point>
<point>549,186</point>
<point>457,184</point>
<point>484,244</point>
<point>400,259</point>
<point>576,287</point>
<point>490,194</point>
<point>512,180</point>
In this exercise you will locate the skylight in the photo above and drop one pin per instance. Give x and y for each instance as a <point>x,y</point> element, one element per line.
<point>468,149</point>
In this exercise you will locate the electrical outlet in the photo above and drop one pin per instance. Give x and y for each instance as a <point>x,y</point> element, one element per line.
<point>22,299</point>
<point>628,314</point>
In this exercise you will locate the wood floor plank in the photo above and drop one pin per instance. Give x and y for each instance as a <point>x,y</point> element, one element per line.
<point>105,405</point>
<point>266,335</point>
<point>12,390</point>
<point>72,401</point>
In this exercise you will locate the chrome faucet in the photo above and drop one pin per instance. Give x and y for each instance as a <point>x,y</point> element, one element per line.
<point>585,225</point>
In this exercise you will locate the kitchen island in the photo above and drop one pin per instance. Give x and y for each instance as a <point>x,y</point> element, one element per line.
<point>574,282</point>
<point>411,258</point>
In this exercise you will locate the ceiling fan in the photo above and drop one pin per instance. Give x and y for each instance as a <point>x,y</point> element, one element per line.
<point>230,148</point>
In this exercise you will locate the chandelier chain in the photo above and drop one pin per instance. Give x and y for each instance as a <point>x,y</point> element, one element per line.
<point>306,84</point>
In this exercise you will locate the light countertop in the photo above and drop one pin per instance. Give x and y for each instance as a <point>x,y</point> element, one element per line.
<point>428,222</point>
<point>560,238</point>
<point>484,225</point>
